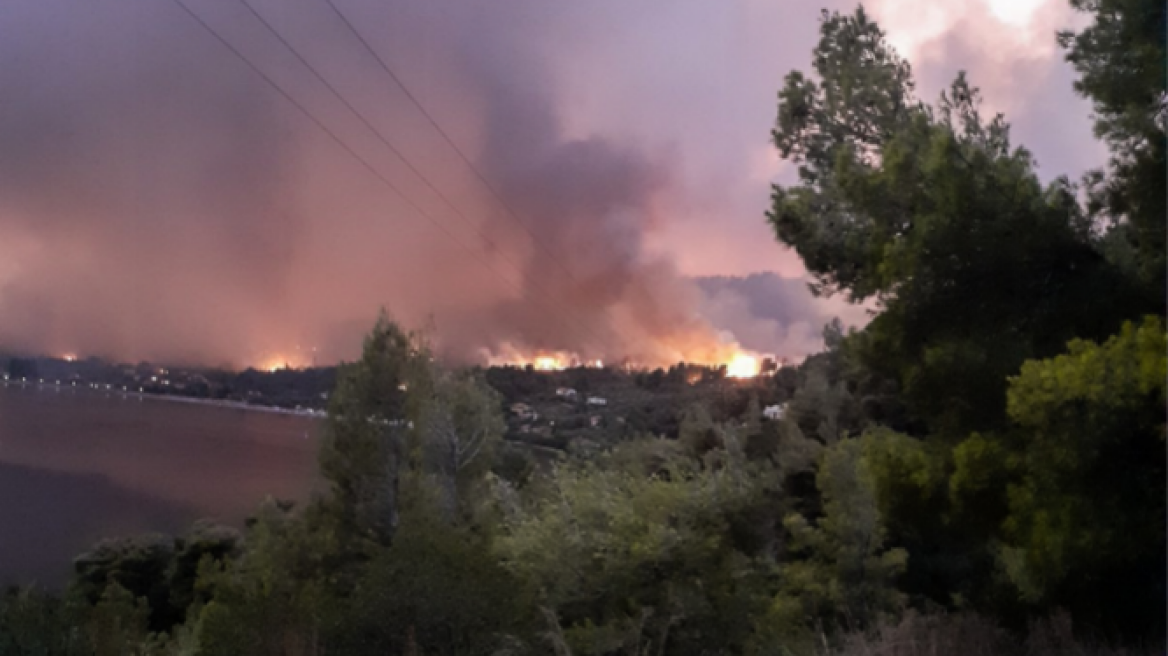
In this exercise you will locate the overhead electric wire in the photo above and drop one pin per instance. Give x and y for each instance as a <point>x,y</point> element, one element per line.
<point>434,123</point>
<point>401,156</point>
<point>324,128</point>
<point>495,193</point>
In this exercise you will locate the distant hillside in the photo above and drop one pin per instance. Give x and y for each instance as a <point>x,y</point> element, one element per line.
<point>589,407</point>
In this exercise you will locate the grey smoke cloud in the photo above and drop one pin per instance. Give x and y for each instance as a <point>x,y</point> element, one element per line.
<point>772,314</point>
<point>165,193</point>
<point>158,201</point>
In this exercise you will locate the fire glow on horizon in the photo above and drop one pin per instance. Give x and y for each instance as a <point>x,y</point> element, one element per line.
<point>295,357</point>
<point>272,364</point>
<point>743,365</point>
<point>540,360</point>
<point>739,363</point>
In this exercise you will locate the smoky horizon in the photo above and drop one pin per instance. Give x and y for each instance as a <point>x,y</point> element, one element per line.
<point>248,182</point>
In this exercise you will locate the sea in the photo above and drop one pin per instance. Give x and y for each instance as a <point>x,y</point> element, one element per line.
<point>79,465</point>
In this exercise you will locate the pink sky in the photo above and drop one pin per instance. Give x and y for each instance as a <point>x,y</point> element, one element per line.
<point>158,200</point>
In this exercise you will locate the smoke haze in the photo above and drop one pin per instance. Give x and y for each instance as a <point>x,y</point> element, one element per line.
<point>158,200</point>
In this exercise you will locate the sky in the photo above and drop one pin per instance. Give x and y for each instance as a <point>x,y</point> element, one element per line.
<point>160,200</point>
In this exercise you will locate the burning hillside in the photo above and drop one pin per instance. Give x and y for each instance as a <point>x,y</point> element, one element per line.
<point>738,363</point>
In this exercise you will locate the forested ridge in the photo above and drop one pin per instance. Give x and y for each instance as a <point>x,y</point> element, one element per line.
<point>980,470</point>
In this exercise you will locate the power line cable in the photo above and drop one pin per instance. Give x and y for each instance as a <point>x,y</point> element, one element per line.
<point>401,156</point>
<point>324,128</point>
<point>450,141</point>
<point>494,192</point>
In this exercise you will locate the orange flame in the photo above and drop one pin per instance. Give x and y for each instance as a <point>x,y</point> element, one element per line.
<point>541,360</point>
<point>548,363</point>
<point>743,365</point>
<point>274,363</point>
<point>739,363</point>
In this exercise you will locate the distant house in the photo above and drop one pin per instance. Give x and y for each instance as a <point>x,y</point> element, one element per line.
<point>594,420</point>
<point>596,400</point>
<point>566,393</point>
<point>774,412</point>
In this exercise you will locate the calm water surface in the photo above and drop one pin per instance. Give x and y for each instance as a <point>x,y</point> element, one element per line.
<point>79,465</point>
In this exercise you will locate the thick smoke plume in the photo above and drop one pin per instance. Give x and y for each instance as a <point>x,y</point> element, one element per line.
<point>586,203</point>
<point>159,201</point>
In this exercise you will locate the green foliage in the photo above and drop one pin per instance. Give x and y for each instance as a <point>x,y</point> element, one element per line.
<point>823,409</point>
<point>118,623</point>
<point>840,572</point>
<point>950,562</point>
<point>204,545</point>
<point>277,595</point>
<point>159,570</point>
<point>398,420</point>
<point>398,557</point>
<point>982,471</point>
<point>1120,375</point>
<point>967,634</point>
<point>364,444</point>
<point>863,95</point>
<point>439,590</point>
<point>1086,514</point>
<point>627,562</point>
<point>1121,58</point>
<point>908,479</point>
<point>1064,508</point>
<point>752,419</point>
<point>1055,475</point>
<point>933,213</point>
<point>34,623</point>
<point>136,566</point>
<point>460,427</point>
<point>697,434</point>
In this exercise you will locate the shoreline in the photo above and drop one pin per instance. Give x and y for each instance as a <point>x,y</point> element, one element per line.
<point>173,398</point>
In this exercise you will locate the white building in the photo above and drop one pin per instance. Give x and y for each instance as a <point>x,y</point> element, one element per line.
<point>596,400</point>
<point>566,393</point>
<point>774,412</point>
